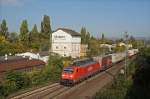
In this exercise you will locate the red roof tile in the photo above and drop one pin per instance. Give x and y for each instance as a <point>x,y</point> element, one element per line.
<point>20,64</point>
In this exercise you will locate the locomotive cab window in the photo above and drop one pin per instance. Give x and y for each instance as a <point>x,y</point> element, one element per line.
<point>68,70</point>
<point>73,64</point>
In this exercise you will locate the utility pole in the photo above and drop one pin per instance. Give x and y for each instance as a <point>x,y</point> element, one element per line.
<point>103,44</point>
<point>126,54</point>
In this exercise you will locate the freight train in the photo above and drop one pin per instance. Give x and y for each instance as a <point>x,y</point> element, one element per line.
<point>85,68</point>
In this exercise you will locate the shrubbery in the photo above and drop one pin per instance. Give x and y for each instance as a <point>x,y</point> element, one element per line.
<point>13,82</point>
<point>55,66</point>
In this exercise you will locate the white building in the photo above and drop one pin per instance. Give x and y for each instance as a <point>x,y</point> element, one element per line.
<point>40,56</point>
<point>107,46</point>
<point>66,42</point>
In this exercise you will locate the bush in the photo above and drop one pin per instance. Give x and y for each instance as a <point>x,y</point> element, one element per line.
<point>2,90</point>
<point>13,82</point>
<point>55,66</point>
<point>18,79</point>
<point>35,77</point>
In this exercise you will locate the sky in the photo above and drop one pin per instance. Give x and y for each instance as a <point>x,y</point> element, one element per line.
<point>111,17</point>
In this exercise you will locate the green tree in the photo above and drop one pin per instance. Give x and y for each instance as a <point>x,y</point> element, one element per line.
<point>103,37</point>
<point>45,34</point>
<point>34,29</point>
<point>34,39</point>
<point>13,37</point>
<point>94,48</point>
<point>46,26</point>
<point>42,28</point>
<point>2,39</point>
<point>24,35</point>
<point>88,37</point>
<point>4,29</point>
<point>34,34</point>
<point>83,35</point>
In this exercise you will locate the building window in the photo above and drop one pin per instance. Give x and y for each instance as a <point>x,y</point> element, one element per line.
<point>56,47</point>
<point>64,47</point>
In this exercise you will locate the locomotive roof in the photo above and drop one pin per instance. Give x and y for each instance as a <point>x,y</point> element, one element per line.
<point>83,62</point>
<point>82,59</point>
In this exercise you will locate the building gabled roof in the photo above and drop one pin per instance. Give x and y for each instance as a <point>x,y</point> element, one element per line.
<point>12,58</point>
<point>21,63</point>
<point>69,31</point>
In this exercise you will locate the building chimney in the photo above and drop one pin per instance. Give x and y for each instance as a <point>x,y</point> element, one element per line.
<point>23,56</point>
<point>10,54</point>
<point>38,55</point>
<point>6,58</point>
<point>30,58</point>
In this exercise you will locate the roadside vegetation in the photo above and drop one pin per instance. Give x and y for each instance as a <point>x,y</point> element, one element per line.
<point>137,83</point>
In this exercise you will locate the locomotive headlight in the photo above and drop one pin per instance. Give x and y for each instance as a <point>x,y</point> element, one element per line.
<point>71,76</point>
<point>63,75</point>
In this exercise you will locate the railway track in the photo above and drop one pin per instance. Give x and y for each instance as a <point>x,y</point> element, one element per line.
<point>57,91</point>
<point>44,92</point>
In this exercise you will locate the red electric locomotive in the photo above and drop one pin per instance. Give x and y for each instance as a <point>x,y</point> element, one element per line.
<point>83,69</point>
<point>79,70</point>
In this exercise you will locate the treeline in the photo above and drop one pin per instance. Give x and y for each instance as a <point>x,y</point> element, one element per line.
<point>35,41</point>
<point>94,48</point>
<point>25,40</point>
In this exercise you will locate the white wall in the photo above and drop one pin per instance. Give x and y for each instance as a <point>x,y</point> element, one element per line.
<point>65,45</point>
